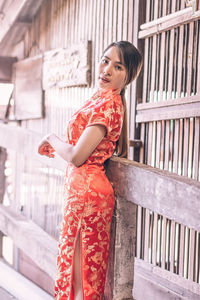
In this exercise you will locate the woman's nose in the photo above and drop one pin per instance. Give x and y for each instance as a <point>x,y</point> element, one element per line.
<point>108,70</point>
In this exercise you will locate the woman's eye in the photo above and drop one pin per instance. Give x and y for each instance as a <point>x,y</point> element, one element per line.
<point>104,60</point>
<point>118,67</point>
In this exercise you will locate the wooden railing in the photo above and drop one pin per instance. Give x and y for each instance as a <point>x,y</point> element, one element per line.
<point>135,184</point>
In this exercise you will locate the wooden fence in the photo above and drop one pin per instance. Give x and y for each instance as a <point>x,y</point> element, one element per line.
<point>128,178</point>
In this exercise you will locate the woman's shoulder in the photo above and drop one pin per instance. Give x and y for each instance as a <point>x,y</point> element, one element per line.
<point>106,95</point>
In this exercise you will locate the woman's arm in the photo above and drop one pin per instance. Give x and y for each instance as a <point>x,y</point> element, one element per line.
<point>77,154</point>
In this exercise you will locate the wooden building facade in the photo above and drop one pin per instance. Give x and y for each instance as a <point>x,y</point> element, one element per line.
<point>157,190</point>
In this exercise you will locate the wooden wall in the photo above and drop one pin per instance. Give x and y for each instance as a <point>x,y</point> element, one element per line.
<point>60,24</point>
<point>39,188</point>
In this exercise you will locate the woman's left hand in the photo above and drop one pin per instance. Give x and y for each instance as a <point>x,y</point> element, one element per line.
<point>44,147</point>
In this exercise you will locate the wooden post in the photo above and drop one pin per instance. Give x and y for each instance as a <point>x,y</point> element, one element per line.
<point>124,249</point>
<point>120,275</point>
<point>2,186</point>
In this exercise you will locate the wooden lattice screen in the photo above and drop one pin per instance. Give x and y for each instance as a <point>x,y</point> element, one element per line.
<point>170,125</point>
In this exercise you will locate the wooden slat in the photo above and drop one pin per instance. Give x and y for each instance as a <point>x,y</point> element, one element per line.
<point>162,64</point>
<point>153,68</point>
<point>191,255</point>
<point>167,142</point>
<point>161,284</point>
<point>166,23</point>
<point>158,144</point>
<point>155,239</point>
<point>167,111</point>
<point>176,146</point>
<point>40,247</point>
<point>158,195</point>
<point>198,64</point>
<point>139,231</point>
<point>146,236</point>
<point>189,58</point>
<point>146,67</point>
<point>186,145</point>
<point>163,243</point>
<point>180,61</point>
<point>172,246</point>
<point>142,138</point>
<point>181,250</point>
<point>196,149</point>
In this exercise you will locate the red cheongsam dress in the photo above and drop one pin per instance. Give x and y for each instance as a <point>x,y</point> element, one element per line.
<point>89,200</point>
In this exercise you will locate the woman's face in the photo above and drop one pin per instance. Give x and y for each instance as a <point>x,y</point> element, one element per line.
<point>112,73</point>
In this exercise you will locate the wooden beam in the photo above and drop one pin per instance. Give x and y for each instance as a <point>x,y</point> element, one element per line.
<point>18,286</point>
<point>16,18</point>
<point>11,16</point>
<point>2,186</point>
<point>22,9</point>
<point>162,284</point>
<point>166,110</point>
<point>166,23</point>
<point>26,141</point>
<point>168,194</point>
<point>6,68</point>
<point>30,238</point>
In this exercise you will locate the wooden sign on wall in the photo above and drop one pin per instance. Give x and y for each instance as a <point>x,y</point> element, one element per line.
<point>28,95</point>
<point>67,67</point>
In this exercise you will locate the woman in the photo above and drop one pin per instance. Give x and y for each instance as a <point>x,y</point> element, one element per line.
<point>92,135</point>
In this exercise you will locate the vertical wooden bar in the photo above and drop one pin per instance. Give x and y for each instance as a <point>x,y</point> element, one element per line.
<point>125,21</point>
<point>146,241</point>
<point>2,186</point>
<point>115,21</point>
<point>189,58</point>
<point>153,69</point>
<point>198,63</point>
<point>155,239</point>
<point>142,138</point>
<point>167,141</point>
<point>150,134</point>
<point>131,11</point>
<point>186,144</point>
<point>172,245</point>
<point>158,144</point>
<point>176,146</point>
<point>163,244</point>
<point>146,59</point>
<point>110,24</point>
<point>119,19</point>
<point>106,25</point>
<point>180,61</point>
<point>196,149</point>
<point>139,231</point>
<point>186,252</point>
<point>162,64</point>
<point>171,57</point>
<point>191,255</point>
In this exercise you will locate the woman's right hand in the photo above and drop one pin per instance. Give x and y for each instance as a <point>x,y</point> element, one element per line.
<point>44,148</point>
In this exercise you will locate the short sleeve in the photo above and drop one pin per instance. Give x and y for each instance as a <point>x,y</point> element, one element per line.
<point>108,112</point>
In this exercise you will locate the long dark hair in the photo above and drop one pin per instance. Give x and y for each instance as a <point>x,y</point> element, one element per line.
<point>132,60</point>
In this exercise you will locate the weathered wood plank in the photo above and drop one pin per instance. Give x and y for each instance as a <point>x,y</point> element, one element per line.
<point>158,192</point>
<point>29,237</point>
<point>161,284</point>
<point>166,23</point>
<point>167,110</point>
<point>26,142</point>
